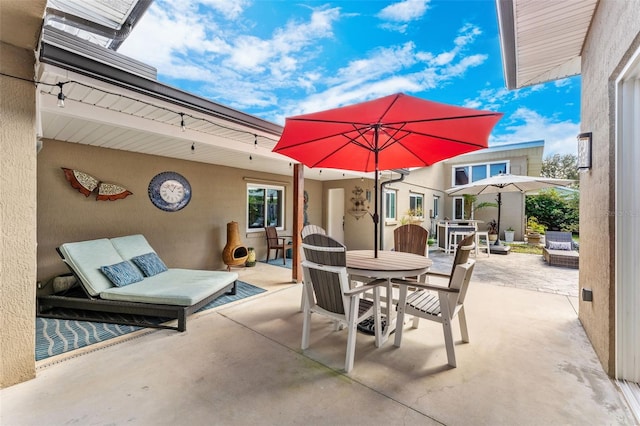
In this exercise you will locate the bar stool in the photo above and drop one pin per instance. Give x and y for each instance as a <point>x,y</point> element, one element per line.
<point>455,237</point>
<point>485,235</point>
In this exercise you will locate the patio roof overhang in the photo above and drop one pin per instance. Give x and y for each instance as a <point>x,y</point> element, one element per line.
<point>112,101</point>
<point>542,41</point>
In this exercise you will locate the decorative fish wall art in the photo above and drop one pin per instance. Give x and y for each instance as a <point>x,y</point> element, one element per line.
<point>87,184</point>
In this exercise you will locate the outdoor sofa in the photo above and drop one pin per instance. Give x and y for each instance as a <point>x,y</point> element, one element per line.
<point>559,250</point>
<point>124,275</point>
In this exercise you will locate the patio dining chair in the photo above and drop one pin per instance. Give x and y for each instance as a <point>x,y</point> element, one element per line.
<point>411,238</point>
<point>274,242</point>
<point>441,300</point>
<point>328,293</point>
<point>308,230</point>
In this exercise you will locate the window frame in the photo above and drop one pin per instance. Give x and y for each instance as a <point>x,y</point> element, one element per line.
<point>470,167</point>
<point>417,196</point>
<point>455,209</point>
<point>265,187</point>
<point>389,192</point>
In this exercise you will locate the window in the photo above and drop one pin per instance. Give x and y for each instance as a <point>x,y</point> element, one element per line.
<point>265,206</point>
<point>390,204</point>
<point>463,175</point>
<point>458,208</point>
<point>436,207</point>
<point>416,204</point>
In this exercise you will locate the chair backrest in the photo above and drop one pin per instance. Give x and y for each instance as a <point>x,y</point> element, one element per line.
<point>325,272</point>
<point>411,239</point>
<point>312,229</point>
<point>460,278</point>
<point>557,236</point>
<point>272,235</point>
<point>465,246</point>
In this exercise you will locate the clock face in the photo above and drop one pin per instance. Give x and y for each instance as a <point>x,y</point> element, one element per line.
<point>169,191</point>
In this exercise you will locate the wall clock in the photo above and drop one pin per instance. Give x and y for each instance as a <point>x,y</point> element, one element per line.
<point>169,191</point>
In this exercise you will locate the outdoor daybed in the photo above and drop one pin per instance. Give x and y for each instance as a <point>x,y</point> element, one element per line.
<point>559,250</point>
<point>124,275</point>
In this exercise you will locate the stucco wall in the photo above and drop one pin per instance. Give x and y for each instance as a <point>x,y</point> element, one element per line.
<point>17,217</point>
<point>615,26</point>
<point>193,237</point>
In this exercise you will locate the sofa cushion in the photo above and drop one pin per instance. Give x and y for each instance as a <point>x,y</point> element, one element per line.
<point>131,246</point>
<point>181,287</point>
<point>122,274</point>
<point>86,258</point>
<point>560,245</point>
<point>150,264</point>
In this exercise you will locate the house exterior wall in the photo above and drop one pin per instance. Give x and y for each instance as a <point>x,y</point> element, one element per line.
<point>17,216</point>
<point>614,35</point>
<point>193,237</point>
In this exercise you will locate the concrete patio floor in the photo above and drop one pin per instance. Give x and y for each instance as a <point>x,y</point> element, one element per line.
<point>529,362</point>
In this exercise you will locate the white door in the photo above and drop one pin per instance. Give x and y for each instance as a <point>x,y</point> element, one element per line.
<point>628,224</point>
<point>335,214</point>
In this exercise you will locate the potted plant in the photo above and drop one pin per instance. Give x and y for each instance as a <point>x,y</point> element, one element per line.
<point>509,235</point>
<point>534,230</point>
<point>492,227</point>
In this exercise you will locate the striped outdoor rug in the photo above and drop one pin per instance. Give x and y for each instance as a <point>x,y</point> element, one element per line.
<point>56,336</point>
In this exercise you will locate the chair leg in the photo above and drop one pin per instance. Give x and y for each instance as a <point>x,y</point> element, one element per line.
<point>402,303</point>
<point>268,252</point>
<point>463,325</point>
<point>448,342</point>
<point>416,322</point>
<point>351,339</point>
<point>306,328</point>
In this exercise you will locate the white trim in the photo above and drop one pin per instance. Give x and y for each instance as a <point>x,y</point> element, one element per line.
<point>627,223</point>
<point>257,185</point>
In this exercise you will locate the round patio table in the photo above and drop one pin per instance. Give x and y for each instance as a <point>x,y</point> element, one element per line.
<point>388,265</point>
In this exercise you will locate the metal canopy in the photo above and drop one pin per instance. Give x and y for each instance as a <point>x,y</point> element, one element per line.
<point>542,40</point>
<point>103,22</point>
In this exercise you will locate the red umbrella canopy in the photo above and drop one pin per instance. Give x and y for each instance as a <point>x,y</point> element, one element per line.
<point>403,130</point>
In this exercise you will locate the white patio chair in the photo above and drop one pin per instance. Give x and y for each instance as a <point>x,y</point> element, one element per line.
<point>441,300</point>
<point>327,291</point>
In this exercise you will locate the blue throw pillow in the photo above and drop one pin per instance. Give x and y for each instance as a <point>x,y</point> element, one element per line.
<point>123,273</point>
<point>150,264</point>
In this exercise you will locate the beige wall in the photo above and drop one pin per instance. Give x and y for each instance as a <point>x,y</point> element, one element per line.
<point>17,216</point>
<point>512,213</point>
<point>614,35</point>
<point>193,237</point>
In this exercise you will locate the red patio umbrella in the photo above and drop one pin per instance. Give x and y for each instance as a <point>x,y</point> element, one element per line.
<point>392,132</point>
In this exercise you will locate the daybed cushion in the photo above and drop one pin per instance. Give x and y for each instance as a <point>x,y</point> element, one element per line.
<point>86,258</point>
<point>182,287</point>
<point>131,246</point>
<point>123,273</point>
<point>150,264</point>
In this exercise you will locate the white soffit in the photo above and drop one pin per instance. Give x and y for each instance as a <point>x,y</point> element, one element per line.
<point>99,114</point>
<point>542,40</point>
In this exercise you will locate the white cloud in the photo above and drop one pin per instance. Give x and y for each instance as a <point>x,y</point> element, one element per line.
<point>230,9</point>
<point>404,11</point>
<point>528,125</point>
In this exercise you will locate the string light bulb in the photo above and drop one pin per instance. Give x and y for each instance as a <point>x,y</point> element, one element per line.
<point>193,147</point>
<point>255,141</point>
<point>61,96</point>
<point>250,158</point>
<point>182,126</point>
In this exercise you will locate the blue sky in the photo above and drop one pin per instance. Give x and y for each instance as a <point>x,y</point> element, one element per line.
<point>275,59</point>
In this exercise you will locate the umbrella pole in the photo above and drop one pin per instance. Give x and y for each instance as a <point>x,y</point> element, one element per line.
<point>376,217</point>
<point>498,243</point>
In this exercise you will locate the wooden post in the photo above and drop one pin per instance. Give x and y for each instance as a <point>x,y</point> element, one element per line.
<point>298,221</point>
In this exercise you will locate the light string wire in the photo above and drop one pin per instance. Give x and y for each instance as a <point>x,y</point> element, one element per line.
<point>163,108</point>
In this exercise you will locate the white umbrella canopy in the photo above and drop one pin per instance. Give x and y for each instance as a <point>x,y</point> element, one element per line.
<point>507,183</point>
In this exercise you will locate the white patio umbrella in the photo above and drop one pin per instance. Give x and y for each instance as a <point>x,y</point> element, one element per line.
<point>507,183</point>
